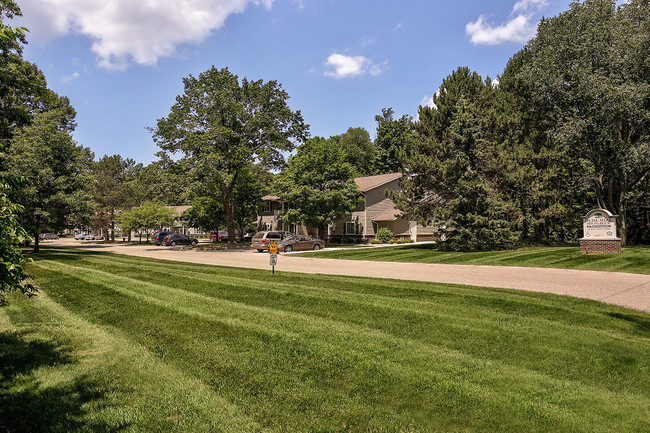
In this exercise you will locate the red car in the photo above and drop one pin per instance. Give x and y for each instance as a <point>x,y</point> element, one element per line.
<point>219,236</point>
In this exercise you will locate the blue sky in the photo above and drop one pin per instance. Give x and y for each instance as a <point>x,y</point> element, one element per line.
<point>121,62</point>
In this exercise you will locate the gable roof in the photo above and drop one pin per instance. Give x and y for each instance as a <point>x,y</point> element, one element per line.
<point>389,215</point>
<point>178,209</point>
<point>369,182</point>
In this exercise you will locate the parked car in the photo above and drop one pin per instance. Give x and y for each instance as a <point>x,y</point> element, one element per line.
<point>79,237</point>
<point>92,237</point>
<point>262,239</point>
<point>159,237</point>
<point>179,239</point>
<point>48,237</point>
<point>300,243</point>
<point>219,236</point>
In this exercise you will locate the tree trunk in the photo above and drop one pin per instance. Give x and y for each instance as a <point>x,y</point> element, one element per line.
<point>323,232</point>
<point>113,226</point>
<point>230,223</point>
<point>36,239</point>
<point>229,207</point>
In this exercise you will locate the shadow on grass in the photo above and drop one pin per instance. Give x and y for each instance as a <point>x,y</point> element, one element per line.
<point>27,406</point>
<point>641,323</point>
<point>63,254</point>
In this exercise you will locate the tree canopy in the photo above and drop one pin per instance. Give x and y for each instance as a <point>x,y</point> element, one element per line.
<point>220,125</point>
<point>113,189</point>
<point>149,217</point>
<point>56,169</point>
<point>585,80</point>
<point>319,184</point>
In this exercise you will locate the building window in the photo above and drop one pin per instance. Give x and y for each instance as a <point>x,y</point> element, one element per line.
<point>350,229</point>
<point>268,206</point>
<point>292,228</point>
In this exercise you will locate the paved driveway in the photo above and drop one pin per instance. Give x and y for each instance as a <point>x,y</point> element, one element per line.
<point>628,290</point>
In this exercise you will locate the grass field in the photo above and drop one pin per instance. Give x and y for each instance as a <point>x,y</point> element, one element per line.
<point>635,259</point>
<point>117,343</point>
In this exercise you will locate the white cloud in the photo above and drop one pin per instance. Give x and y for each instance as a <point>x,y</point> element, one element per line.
<point>519,28</point>
<point>67,78</point>
<point>125,31</point>
<point>351,66</point>
<point>527,6</point>
<point>427,101</point>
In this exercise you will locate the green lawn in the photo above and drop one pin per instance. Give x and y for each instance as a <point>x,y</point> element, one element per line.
<point>635,259</point>
<point>117,343</point>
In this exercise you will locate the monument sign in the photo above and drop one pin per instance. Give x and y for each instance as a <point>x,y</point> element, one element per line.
<point>599,228</point>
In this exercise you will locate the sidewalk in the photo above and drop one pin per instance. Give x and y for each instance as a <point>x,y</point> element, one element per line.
<point>628,290</point>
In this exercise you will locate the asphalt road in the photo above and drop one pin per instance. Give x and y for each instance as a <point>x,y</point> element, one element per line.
<point>628,290</point>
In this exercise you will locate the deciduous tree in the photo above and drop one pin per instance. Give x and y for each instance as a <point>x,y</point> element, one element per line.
<point>12,265</point>
<point>319,185</point>
<point>55,167</point>
<point>113,188</point>
<point>392,136</point>
<point>587,76</point>
<point>360,151</point>
<point>147,218</point>
<point>221,124</point>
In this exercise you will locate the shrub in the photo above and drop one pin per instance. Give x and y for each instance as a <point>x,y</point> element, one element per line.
<point>375,241</point>
<point>385,234</point>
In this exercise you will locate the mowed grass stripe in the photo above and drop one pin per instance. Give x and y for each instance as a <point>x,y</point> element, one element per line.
<point>425,298</point>
<point>96,379</point>
<point>422,292</point>
<point>635,259</point>
<point>365,340</point>
<point>473,333</point>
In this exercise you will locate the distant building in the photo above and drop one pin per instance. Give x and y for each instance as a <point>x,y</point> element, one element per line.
<point>375,212</point>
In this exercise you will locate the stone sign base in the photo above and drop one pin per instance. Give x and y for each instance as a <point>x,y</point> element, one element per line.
<point>597,246</point>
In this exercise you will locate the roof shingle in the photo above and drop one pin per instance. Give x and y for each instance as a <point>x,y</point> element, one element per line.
<point>369,182</point>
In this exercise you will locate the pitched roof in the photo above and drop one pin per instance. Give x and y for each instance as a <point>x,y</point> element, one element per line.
<point>178,209</point>
<point>389,215</point>
<point>270,198</point>
<point>369,182</point>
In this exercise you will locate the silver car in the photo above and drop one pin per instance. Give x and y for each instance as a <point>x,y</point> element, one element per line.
<point>300,243</point>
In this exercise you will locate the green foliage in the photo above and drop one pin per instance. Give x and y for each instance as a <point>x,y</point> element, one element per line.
<point>56,169</point>
<point>319,184</point>
<point>9,33</point>
<point>11,38</point>
<point>221,125</point>
<point>206,213</point>
<point>585,80</point>
<point>113,189</point>
<point>385,234</point>
<point>165,180</point>
<point>450,161</point>
<point>392,136</point>
<point>360,151</point>
<point>12,262</point>
<point>149,217</point>
<point>477,218</point>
